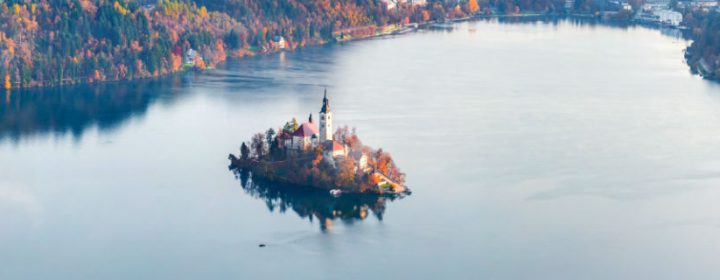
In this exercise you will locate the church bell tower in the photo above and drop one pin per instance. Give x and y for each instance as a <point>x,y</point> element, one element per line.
<point>326,120</point>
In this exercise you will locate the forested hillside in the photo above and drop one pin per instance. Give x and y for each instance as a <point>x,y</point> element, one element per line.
<point>703,54</point>
<point>68,41</point>
<point>52,42</point>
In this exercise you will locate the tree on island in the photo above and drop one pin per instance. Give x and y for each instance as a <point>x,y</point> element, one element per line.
<point>269,134</point>
<point>346,173</point>
<point>472,6</point>
<point>258,145</point>
<point>244,152</point>
<point>294,124</point>
<point>342,134</point>
<point>355,167</point>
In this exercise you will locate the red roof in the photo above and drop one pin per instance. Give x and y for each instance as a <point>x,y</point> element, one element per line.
<point>337,146</point>
<point>306,130</point>
<point>333,146</point>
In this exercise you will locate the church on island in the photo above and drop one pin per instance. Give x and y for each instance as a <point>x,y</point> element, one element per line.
<point>311,134</point>
<point>312,154</point>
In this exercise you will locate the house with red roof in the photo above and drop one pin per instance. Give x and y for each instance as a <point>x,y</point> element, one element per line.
<point>332,148</point>
<point>306,136</point>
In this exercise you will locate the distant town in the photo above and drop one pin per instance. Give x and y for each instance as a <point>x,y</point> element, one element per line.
<point>664,13</point>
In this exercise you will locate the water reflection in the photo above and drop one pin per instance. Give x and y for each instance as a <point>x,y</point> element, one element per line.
<point>314,204</point>
<point>58,111</point>
<point>74,109</point>
<point>581,21</point>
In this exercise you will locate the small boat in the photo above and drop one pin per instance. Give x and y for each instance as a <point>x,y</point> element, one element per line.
<point>335,192</point>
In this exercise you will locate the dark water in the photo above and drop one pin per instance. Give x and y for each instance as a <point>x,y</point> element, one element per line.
<point>540,150</point>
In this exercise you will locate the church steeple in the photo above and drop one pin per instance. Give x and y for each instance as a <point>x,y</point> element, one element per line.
<point>310,118</point>
<point>325,119</point>
<point>326,104</point>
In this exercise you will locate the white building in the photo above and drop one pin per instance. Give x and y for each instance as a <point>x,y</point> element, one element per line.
<point>306,136</point>
<point>190,57</point>
<point>569,5</point>
<point>620,5</point>
<point>362,160</point>
<point>393,3</point>
<point>279,42</point>
<point>698,4</point>
<point>652,13</point>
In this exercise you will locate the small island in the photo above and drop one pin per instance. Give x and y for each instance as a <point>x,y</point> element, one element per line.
<point>310,155</point>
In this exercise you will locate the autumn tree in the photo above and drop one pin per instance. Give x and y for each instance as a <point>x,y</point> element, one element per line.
<point>244,152</point>
<point>294,124</point>
<point>288,128</point>
<point>472,6</point>
<point>346,173</point>
<point>269,134</point>
<point>258,145</point>
<point>342,134</point>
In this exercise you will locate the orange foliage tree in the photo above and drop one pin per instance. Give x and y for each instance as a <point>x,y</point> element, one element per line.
<point>472,6</point>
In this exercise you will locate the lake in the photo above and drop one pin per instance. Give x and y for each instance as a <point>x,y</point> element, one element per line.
<point>556,150</point>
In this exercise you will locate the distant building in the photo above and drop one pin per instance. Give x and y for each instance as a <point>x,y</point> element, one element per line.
<point>362,160</point>
<point>306,136</point>
<point>279,42</point>
<point>697,4</point>
<point>284,139</point>
<point>391,4</point>
<point>334,149</point>
<point>658,15</point>
<point>190,57</point>
<point>309,136</point>
<point>619,6</point>
<point>569,5</point>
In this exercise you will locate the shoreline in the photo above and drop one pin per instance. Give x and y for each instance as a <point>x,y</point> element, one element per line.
<point>387,31</point>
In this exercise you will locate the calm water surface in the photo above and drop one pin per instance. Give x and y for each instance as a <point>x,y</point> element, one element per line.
<point>535,150</point>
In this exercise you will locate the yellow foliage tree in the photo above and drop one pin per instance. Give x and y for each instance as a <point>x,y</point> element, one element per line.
<point>8,85</point>
<point>10,45</point>
<point>203,12</point>
<point>120,8</point>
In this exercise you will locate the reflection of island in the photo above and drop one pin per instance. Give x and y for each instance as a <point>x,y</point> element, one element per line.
<point>73,109</point>
<point>314,204</point>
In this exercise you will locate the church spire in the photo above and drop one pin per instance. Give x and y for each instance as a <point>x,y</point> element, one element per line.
<point>326,103</point>
<point>326,119</point>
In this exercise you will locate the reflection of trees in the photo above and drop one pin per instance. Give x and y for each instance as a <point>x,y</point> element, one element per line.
<point>75,108</point>
<point>314,204</point>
